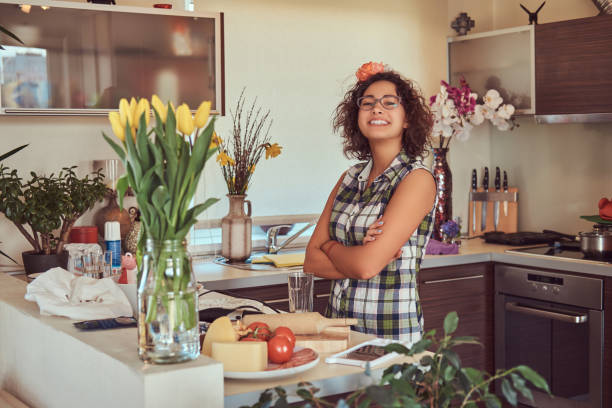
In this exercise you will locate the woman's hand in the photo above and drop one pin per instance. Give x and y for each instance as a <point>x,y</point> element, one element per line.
<point>373,231</point>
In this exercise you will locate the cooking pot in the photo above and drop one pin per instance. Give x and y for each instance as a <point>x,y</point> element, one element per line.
<point>596,244</point>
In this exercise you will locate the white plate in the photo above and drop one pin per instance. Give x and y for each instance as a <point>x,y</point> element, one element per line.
<point>262,375</point>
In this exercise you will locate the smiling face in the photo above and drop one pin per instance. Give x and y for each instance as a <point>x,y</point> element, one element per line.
<point>379,123</point>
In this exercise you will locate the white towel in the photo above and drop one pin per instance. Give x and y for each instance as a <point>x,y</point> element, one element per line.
<point>59,292</point>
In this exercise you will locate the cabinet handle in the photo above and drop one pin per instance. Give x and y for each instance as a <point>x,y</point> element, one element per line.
<point>453,279</point>
<point>563,316</point>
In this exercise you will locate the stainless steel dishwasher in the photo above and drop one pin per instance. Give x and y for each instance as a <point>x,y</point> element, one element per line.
<point>553,323</point>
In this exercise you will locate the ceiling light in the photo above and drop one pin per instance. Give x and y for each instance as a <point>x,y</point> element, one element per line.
<point>25,8</point>
<point>45,7</point>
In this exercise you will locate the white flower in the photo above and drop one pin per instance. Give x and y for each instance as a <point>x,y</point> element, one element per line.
<point>492,99</point>
<point>464,132</point>
<point>488,112</point>
<point>442,129</point>
<point>505,111</point>
<point>478,116</point>
<point>500,123</point>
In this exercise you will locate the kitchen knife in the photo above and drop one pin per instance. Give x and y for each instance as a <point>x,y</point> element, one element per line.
<point>496,203</point>
<point>505,191</point>
<point>474,188</point>
<point>485,185</point>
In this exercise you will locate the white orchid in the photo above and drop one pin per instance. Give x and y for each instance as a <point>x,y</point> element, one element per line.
<point>505,111</point>
<point>492,99</point>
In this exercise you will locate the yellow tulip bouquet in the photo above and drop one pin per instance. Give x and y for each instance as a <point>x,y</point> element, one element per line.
<point>250,138</point>
<point>163,166</point>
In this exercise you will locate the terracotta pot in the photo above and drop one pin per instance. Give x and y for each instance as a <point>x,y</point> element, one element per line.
<point>236,229</point>
<point>34,262</point>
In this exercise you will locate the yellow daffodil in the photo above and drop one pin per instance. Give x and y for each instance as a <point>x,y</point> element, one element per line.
<point>161,109</point>
<point>184,120</point>
<point>223,159</point>
<point>272,150</point>
<point>124,112</point>
<point>201,116</point>
<point>215,140</point>
<point>142,107</point>
<point>118,129</point>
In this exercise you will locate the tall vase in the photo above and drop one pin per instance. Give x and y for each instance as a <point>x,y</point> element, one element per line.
<point>236,229</point>
<point>168,330</point>
<point>444,184</point>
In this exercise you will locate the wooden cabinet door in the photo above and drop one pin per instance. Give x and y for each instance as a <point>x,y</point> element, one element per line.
<point>468,290</point>
<point>573,64</point>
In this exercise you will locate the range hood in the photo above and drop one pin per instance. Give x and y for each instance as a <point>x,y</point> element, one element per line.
<point>557,72</point>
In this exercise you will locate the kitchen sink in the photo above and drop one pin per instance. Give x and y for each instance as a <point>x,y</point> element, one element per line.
<point>247,265</point>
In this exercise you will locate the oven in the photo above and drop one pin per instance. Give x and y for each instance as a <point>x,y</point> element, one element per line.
<point>553,323</point>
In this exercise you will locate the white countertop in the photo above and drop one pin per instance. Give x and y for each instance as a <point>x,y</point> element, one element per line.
<point>215,276</point>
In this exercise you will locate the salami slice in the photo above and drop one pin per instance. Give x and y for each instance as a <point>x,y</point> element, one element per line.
<point>297,359</point>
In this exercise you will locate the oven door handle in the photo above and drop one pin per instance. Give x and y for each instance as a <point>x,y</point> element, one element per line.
<point>567,318</point>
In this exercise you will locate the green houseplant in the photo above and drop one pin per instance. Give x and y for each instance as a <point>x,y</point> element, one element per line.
<point>437,381</point>
<point>2,157</point>
<point>45,208</point>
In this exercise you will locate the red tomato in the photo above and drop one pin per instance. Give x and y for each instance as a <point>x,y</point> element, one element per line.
<point>285,331</point>
<point>260,330</point>
<point>279,349</point>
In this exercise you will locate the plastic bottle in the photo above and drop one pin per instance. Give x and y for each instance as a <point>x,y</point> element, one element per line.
<point>112,239</point>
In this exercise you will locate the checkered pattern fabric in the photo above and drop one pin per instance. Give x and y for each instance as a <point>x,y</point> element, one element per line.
<point>386,305</point>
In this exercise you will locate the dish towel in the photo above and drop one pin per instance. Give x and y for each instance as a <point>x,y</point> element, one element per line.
<point>59,292</point>
<point>282,260</point>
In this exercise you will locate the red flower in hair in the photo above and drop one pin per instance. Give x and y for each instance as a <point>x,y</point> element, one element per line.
<point>368,69</point>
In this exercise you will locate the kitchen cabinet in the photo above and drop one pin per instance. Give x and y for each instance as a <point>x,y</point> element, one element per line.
<point>468,290</point>
<point>573,66</point>
<point>276,295</point>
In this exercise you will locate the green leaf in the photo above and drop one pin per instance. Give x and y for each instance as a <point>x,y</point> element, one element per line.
<point>449,373</point>
<point>452,358</point>
<point>491,401</point>
<point>122,186</point>
<point>118,149</point>
<point>533,377</point>
<point>473,375</point>
<point>519,384</point>
<point>451,322</point>
<point>379,394</point>
<point>426,361</point>
<point>305,394</point>
<point>397,348</point>
<point>419,346</point>
<point>508,392</point>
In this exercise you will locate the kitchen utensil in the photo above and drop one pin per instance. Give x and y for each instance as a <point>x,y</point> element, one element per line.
<point>485,186</point>
<point>596,244</point>
<point>505,191</point>
<point>474,188</point>
<point>496,203</point>
<point>299,323</point>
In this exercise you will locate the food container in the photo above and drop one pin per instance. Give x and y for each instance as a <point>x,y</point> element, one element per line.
<point>596,244</point>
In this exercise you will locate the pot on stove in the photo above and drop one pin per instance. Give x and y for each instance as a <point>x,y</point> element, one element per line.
<point>597,244</point>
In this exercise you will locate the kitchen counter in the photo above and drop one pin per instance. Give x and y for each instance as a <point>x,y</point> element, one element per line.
<point>222,277</point>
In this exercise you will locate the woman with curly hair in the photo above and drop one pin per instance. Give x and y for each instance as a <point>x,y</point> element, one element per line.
<point>384,120</point>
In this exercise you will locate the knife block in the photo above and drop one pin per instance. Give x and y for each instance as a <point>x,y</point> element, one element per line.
<point>507,223</point>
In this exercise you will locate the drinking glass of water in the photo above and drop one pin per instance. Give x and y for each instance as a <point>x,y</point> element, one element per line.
<point>300,286</point>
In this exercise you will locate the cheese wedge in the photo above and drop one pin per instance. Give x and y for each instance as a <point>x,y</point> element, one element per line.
<point>219,330</point>
<point>241,355</point>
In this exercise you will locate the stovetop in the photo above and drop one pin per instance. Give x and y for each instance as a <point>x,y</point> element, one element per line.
<point>569,250</point>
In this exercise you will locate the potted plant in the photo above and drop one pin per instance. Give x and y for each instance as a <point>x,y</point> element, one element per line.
<point>45,208</point>
<point>438,380</point>
<point>2,157</point>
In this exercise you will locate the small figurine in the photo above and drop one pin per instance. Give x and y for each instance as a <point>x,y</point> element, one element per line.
<point>533,17</point>
<point>462,24</point>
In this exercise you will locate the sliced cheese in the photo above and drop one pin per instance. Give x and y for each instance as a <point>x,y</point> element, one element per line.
<point>219,330</point>
<point>241,355</point>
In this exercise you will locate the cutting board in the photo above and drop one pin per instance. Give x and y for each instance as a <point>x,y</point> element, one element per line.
<point>507,223</point>
<point>331,340</point>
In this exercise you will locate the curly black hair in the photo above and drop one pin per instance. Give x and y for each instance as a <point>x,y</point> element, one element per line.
<point>415,139</point>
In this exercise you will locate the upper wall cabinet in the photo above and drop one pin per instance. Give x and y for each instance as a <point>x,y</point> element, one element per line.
<point>561,72</point>
<point>80,59</point>
<point>574,70</point>
<point>501,60</point>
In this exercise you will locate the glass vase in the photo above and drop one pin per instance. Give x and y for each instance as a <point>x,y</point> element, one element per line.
<point>236,229</point>
<point>444,183</point>
<point>168,329</point>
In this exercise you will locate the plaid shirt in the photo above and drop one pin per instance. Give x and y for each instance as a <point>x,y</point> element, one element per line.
<point>386,305</point>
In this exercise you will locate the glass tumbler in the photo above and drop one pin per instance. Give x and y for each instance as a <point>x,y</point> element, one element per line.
<point>300,286</point>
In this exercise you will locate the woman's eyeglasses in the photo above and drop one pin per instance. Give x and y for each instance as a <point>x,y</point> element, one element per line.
<point>388,102</point>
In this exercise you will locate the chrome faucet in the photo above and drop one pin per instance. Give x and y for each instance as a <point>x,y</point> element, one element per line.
<point>271,245</point>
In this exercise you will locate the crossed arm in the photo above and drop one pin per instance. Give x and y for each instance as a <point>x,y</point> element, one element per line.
<point>411,201</point>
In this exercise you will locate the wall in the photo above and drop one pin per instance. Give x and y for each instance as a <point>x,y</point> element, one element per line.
<point>561,170</point>
<point>298,58</point>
